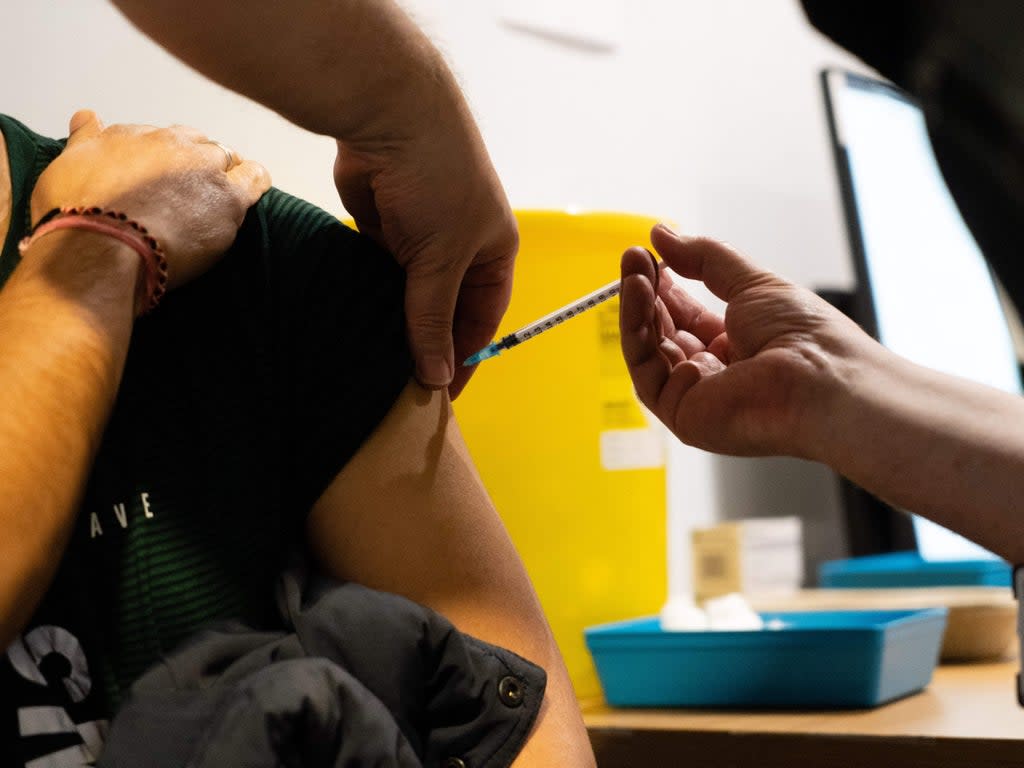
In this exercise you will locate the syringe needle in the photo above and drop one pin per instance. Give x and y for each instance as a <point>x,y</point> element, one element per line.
<point>491,350</point>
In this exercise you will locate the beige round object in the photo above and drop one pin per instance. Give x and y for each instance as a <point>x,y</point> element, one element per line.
<point>976,632</point>
<point>981,625</point>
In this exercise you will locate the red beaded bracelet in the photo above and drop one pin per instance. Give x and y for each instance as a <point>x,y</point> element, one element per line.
<point>120,227</point>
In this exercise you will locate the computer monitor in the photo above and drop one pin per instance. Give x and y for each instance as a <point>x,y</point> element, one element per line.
<point>919,270</point>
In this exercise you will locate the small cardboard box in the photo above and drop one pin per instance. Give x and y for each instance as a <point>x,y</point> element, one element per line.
<point>748,556</point>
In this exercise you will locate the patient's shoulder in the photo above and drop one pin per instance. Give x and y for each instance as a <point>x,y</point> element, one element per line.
<point>298,234</point>
<point>289,216</point>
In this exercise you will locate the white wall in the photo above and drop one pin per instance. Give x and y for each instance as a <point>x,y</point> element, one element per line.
<point>705,112</point>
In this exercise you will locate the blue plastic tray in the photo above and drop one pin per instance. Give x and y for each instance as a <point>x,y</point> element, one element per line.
<point>821,659</point>
<point>908,569</point>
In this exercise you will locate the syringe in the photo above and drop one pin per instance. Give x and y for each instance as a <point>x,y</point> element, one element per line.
<point>557,317</point>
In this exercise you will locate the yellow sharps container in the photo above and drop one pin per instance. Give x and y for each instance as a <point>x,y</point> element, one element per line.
<point>571,460</point>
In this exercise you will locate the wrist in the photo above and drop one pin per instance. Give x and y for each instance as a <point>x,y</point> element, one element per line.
<point>152,281</point>
<point>89,269</point>
<point>853,411</point>
<point>416,92</point>
<point>834,399</point>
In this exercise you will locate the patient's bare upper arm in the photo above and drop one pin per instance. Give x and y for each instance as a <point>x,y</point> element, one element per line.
<point>409,514</point>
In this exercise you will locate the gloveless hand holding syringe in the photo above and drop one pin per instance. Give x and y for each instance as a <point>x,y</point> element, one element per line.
<point>557,317</point>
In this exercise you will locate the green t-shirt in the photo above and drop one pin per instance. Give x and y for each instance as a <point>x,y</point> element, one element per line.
<point>243,395</point>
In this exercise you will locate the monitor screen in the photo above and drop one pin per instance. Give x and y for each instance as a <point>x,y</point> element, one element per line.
<point>916,261</point>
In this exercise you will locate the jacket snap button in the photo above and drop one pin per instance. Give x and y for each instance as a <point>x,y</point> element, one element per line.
<point>510,691</point>
<point>454,762</point>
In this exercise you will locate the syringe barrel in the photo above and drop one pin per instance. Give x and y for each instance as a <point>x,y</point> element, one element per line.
<point>565,313</point>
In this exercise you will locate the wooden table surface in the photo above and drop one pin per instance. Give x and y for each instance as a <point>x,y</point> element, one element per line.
<point>968,716</point>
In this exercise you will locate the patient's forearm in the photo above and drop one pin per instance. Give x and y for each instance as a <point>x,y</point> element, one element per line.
<point>65,322</point>
<point>349,69</point>
<point>942,447</point>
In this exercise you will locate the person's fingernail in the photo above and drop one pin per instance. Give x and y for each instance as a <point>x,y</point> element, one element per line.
<point>434,371</point>
<point>666,228</point>
<point>657,271</point>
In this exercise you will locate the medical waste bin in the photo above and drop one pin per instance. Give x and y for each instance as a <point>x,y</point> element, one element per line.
<point>572,461</point>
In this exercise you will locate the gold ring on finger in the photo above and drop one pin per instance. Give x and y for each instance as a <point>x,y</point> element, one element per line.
<point>230,158</point>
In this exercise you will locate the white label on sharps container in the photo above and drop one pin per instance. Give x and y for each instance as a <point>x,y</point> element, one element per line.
<point>632,449</point>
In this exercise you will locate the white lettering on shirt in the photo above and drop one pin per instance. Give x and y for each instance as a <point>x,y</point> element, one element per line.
<point>120,509</point>
<point>26,654</point>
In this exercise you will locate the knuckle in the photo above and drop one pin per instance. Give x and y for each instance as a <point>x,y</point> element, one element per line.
<point>431,324</point>
<point>428,258</point>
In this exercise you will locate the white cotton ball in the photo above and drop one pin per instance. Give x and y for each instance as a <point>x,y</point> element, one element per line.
<point>681,614</point>
<point>731,611</point>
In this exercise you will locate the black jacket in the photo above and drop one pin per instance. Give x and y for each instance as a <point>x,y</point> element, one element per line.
<point>362,678</point>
